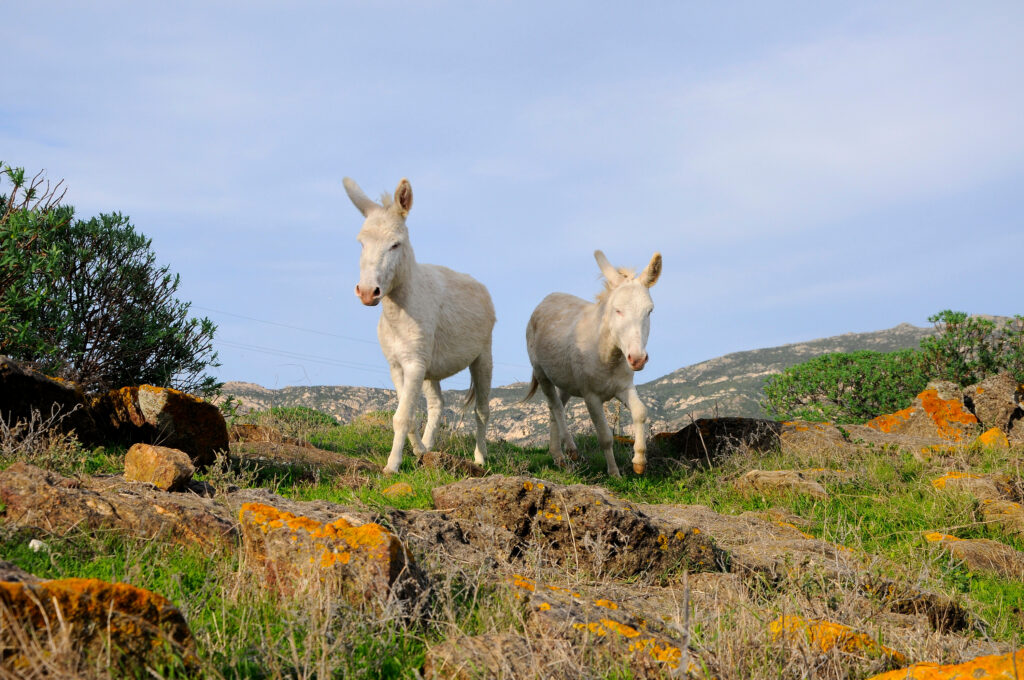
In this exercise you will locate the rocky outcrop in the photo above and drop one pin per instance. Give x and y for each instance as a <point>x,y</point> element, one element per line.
<point>938,411</point>
<point>127,627</point>
<point>159,415</point>
<point>163,467</point>
<point>300,462</point>
<point>581,523</point>
<point>825,636</point>
<point>23,390</point>
<point>705,440</point>
<point>982,554</point>
<point>995,401</point>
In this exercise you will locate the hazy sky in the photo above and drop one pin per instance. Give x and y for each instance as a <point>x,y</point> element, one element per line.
<point>806,169</point>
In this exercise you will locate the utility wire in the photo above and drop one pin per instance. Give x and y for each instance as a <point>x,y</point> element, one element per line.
<point>303,357</point>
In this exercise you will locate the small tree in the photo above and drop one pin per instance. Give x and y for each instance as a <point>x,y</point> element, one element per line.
<point>107,316</point>
<point>967,349</point>
<point>846,387</point>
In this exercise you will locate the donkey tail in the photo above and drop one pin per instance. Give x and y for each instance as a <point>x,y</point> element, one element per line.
<point>471,396</point>
<point>534,384</point>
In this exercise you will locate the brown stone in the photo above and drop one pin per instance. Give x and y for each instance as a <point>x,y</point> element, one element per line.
<point>301,461</point>
<point>776,481</point>
<point>90,619</point>
<point>251,433</point>
<point>159,415</point>
<point>365,563</point>
<point>398,490</point>
<point>34,497</point>
<point>982,554</point>
<point>23,390</point>
<point>1008,515</point>
<point>707,439</point>
<point>983,487</point>
<point>165,468</point>
<point>584,524</point>
<point>9,571</point>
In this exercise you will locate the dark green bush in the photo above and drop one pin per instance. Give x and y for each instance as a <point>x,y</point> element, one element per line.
<point>92,305</point>
<point>846,387</point>
<point>967,349</point>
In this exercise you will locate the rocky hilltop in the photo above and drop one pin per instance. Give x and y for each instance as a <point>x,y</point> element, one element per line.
<point>729,385</point>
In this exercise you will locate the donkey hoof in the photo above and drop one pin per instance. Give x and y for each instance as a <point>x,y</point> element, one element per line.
<point>639,468</point>
<point>388,470</point>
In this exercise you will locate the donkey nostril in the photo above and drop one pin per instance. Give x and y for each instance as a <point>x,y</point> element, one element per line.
<point>376,292</point>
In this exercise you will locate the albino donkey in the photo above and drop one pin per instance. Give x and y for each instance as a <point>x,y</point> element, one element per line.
<point>435,321</point>
<point>591,350</point>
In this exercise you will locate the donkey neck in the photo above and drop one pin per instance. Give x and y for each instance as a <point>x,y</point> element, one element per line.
<point>404,283</point>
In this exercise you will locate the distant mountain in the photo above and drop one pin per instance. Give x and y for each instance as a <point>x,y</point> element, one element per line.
<point>729,385</point>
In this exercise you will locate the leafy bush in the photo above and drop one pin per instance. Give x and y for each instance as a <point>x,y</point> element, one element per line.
<point>846,387</point>
<point>968,349</point>
<point>92,306</point>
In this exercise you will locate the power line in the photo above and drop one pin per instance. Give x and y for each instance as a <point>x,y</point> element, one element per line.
<point>303,357</point>
<point>284,325</point>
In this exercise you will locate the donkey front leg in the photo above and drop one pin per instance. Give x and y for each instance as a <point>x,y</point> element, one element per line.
<point>638,412</point>
<point>408,392</point>
<point>604,433</point>
<point>435,405</point>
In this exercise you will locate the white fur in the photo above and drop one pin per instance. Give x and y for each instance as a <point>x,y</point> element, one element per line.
<point>591,350</point>
<point>435,321</point>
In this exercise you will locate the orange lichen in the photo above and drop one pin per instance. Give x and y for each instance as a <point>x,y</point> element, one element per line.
<point>560,589</point>
<point>523,582</point>
<point>828,636</point>
<point>528,486</point>
<point>935,537</point>
<point>993,438</point>
<point>398,490</point>
<point>891,421</point>
<point>608,604</point>
<point>543,606</point>
<point>665,653</point>
<point>994,667</point>
<point>940,483</point>
<point>790,525</point>
<point>945,412</point>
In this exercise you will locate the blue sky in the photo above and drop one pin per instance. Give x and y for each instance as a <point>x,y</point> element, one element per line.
<point>806,169</point>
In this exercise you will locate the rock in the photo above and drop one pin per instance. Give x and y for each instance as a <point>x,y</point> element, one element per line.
<point>1008,515</point>
<point>304,462</point>
<point>825,636</point>
<point>11,572</point>
<point>995,400</point>
<point>993,438</point>
<point>938,411</point>
<point>248,433</point>
<point>34,497</point>
<point>775,481</point>
<point>607,628</point>
<point>580,523</point>
<point>982,554</point>
<point>454,464</point>
<point>23,390</point>
<point>493,656</point>
<point>88,619</point>
<point>165,468</point>
<point>365,563</point>
<point>994,667</point>
<point>159,415</point>
<point>707,439</point>
<point>983,487</point>
<point>398,490</point>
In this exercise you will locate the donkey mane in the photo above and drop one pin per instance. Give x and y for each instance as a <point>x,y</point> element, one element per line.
<point>626,273</point>
<point>386,200</point>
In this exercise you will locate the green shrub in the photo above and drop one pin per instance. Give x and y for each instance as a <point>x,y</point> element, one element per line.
<point>846,387</point>
<point>92,306</point>
<point>968,349</point>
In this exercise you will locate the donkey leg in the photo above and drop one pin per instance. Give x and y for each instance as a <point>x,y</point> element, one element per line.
<point>408,393</point>
<point>480,373</point>
<point>435,405</point>
<point>560,436</point>
<point>570,446</point>
<point>604,433</point>
<point>638,412</point>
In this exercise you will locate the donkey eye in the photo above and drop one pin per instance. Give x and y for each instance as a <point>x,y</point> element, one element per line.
<point>619,312</point>
<point>395,246</point>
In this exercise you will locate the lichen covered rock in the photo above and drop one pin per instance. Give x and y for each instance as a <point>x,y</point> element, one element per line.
<point>995,400</point>
<point>580,523</point>
<point>23,390</point>
<point>993,667</point>
<point>937,411</point>
<point>825,636</point>
<point>982,554</point>
<point>91,619</point>
<point>776,481</point>
<point>365,563</point>
<point>163,467</point>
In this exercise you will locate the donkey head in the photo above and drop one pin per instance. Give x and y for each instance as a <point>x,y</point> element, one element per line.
<point>387,252</point>
<point>628,307</point>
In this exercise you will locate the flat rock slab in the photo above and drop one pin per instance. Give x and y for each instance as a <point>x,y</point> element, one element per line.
<point>249,433</point>
<point>1008,515</point>
<point>779,481</point>
<point>136,627</point>
<point>982,554</point>
<point>305,462</point>
<point>982,487</point>
<point>825,636</point>
<point>582,524</point>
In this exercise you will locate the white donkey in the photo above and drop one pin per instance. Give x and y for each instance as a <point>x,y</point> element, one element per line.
<point>591,350</point>
<point>435,321</point>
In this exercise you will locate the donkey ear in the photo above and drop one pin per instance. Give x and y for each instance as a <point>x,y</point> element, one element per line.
<point>610,272</point>
<point>403,197</point>
<point>359,199</point>
<point>649,276</point>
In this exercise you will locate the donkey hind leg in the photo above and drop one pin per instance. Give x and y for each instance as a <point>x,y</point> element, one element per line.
<point>408,394</point>
<point>435,406</point>
<point>604,433</point>
<point>480,375</point>
<point>570,445</point>
<point>560,437</point>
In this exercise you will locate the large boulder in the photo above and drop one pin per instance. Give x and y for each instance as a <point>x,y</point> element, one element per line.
<point>995,401</point>
<point>365,563</point>
<point>53,628</point>
<point>992,667</point>
<point>23,391</point>
<point>581,524</point>
<point>160,415</point>
<point>705,440</point>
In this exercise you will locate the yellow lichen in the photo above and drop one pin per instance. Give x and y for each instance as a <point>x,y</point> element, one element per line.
<point>994,667</point>
<point>607,604</point>
<point>828,636</point>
